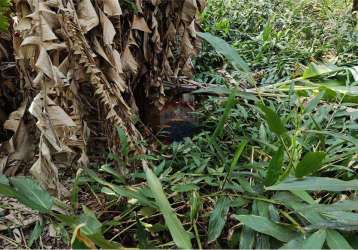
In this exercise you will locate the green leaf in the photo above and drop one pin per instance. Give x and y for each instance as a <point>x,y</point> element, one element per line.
<point>275,167</point>
<point>4,17</point>
<point>234,161</point>
<point>195,205</point>
<point>230,103</point>
<point>263,225</point>
<point>316,184</point>
<point>315,70</point>
<point>182,188</point>
<point>218,218</point>
<point>180,236</point>
<point>273,120</point>
<point>123,141</point>
<point>310,163</point>
<point>6,190</point>
<point>4,180</point>
<point>314,102</point>
<point>133,194</point>
<point>107,168</point>
<point>247,238</point>
<point>295,243</point>
<point>316,240</point>
<point>122,191</point>
<point>303,195</point>
<point>100,241</point>
<point>35,233</point>
<point>222,47</point>
<point>336,241</point>
<point>75,189</point>
<point>142,236</point>
<point>346,205</point>
<point>343,217</point>
<point>267,32</point>
<point>92,224</point>
<point>32,194</point>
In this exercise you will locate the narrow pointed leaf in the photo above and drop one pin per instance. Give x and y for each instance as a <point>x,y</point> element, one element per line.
<point>180,236</point>
<point>275,167</point>
<point>316,184</point>
<point>222,47</point>
<point>336,241</point>
<point>310,163</point>
<point>316,240</point>
<point>32,194</point>
<point>218,218</point>
<point>273,120</point>
<point>263,225</point>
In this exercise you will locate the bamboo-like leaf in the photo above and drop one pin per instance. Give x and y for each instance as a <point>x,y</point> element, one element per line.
<point>247,238</point>
<point>273,120</point>
<point>275,168</point>
<point>336,241</point>
<point>36,232</point>
<point>314,102</point>
<point>310,163</point>
<point>230,103</point>
<point>218,218</point>
<point>92,225</point>
<point>222,47</point>
<point>316,240</point>
<point>263,225</point>
<point>346,205</point>
<point>315,70</point>
<point>180,236</point>
<point>31,194</point>
<point>316,184</point>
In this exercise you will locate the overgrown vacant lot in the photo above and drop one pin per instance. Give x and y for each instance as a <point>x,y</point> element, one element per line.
<point>272,162</point>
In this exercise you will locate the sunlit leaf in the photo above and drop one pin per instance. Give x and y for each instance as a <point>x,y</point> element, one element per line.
<point>314,70</point>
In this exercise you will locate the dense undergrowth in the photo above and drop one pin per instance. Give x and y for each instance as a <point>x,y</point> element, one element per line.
<point>274,166</point>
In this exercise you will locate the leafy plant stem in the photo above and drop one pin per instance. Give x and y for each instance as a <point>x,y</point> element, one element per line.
<point>238,153</point>
<point>287,171</point>
<point>293,221</point>
<point>197,236</point>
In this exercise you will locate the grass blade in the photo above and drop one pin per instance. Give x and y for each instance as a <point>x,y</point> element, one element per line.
<point>230,103</point>
<point>180,236</point>
<point>238,153</point>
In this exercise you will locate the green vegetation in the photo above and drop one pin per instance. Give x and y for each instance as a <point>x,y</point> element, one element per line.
<point>4,7</point>
<point>275,165</point>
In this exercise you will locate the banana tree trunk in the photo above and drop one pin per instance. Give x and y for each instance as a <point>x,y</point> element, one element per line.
<point>87,67</point>
<point>355,5</point>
